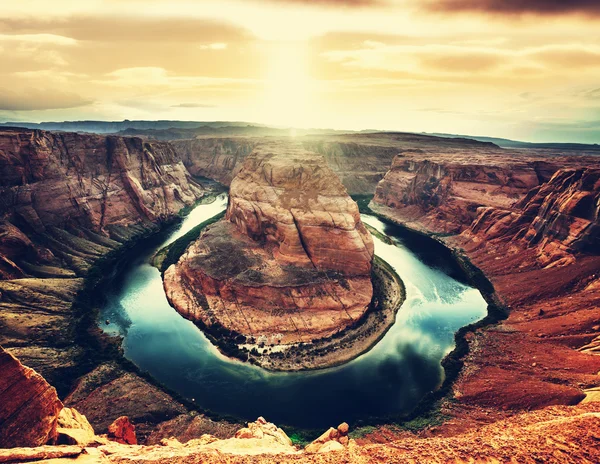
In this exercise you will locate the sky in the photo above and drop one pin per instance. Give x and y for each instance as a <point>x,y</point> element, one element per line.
<point>521,69</point>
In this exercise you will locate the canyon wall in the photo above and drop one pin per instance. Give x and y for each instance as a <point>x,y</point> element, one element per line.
<point>559,218</point>
<point>442,191</point>
<point>531,226</point>
<point>67,200</point>
<point>359,160</point>
<point>81,185</point>
<point>292,260</point>
<point>216,158</point>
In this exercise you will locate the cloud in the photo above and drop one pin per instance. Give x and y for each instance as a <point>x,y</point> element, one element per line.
<point>40,39</point>
<point>214,46</point>
<point>432,61</point>
<point>339,3</point>
<point>109,28</point>
<point>193,105</point>
<point>473,62</point>
<point>516,7</point>
<point>150,77</point>
<point>39,99</point>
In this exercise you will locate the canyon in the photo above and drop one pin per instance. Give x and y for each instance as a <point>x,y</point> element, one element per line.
<point>528,219</point>
<point>69,202</point>
<point>532,228</point>
<point>359,160</point>
<point>289,264</point>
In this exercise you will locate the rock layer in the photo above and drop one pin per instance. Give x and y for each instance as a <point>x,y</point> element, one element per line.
<point>29,406</point>
<point>560,218</point>
<point>359,160</point>
<point>82,181</point>
<point>292,199</point>
<point>443,195</point>
<point>291,262</point>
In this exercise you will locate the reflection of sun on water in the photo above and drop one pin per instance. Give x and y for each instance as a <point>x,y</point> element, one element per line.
<point>289,98</point>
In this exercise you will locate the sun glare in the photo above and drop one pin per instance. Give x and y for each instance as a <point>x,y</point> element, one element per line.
<point>289,90</point>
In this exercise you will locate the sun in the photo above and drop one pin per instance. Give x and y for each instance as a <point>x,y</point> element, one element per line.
<point>289,89</point>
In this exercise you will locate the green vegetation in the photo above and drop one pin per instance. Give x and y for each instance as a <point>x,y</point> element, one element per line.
<point>363,203</point>
<point>171,253</point>
<point>431,419</point>
<point>384,238</point>
<point>302,437</point>
<point>360,432</point>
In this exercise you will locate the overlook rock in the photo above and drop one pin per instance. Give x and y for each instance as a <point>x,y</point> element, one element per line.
<point>291,261</point>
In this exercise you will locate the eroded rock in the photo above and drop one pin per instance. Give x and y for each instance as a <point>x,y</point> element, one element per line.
<point>74,428</point>
<point>122,431</point>
<point>29,406</point>
<point>291,262</point>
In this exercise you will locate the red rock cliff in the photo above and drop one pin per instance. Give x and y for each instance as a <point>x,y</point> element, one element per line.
<point>540,252</point>
<point>442,191</point>
<point>98,183</point>
<point>29,406</point>
<point>559,218</point>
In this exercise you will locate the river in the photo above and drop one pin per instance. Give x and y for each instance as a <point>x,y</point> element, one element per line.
<point>388,380</point>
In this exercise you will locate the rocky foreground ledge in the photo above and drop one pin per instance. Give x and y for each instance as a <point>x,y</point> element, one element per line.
<point>50,433</point>
<point>291,263</point>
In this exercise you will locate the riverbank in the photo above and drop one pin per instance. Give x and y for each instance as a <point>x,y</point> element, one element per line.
<point>94,393</point>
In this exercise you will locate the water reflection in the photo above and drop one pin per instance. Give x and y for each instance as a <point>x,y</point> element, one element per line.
<point>389,379</point>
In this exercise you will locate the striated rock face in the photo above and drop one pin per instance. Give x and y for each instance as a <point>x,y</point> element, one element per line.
<point>29,406</point>
<point>540,252</point>
<point>559,218</point>
<point>291,262</point>
<point>216,158</point>
<point>87,182</point>
<point>294,201</point>
<point>443,195</point>
<point>359,160</point>
<point>67,200</point>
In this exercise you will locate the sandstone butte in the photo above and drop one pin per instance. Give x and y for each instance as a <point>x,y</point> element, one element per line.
<point>291,261</point>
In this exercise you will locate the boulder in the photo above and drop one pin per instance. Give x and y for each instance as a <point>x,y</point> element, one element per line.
<point>122,431</point>
<point>331,446</point>
<point>343,428</point>
<point>74,428</point>
<point>333,439</point>
<point>29,406</point>
<point>261,429</point>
